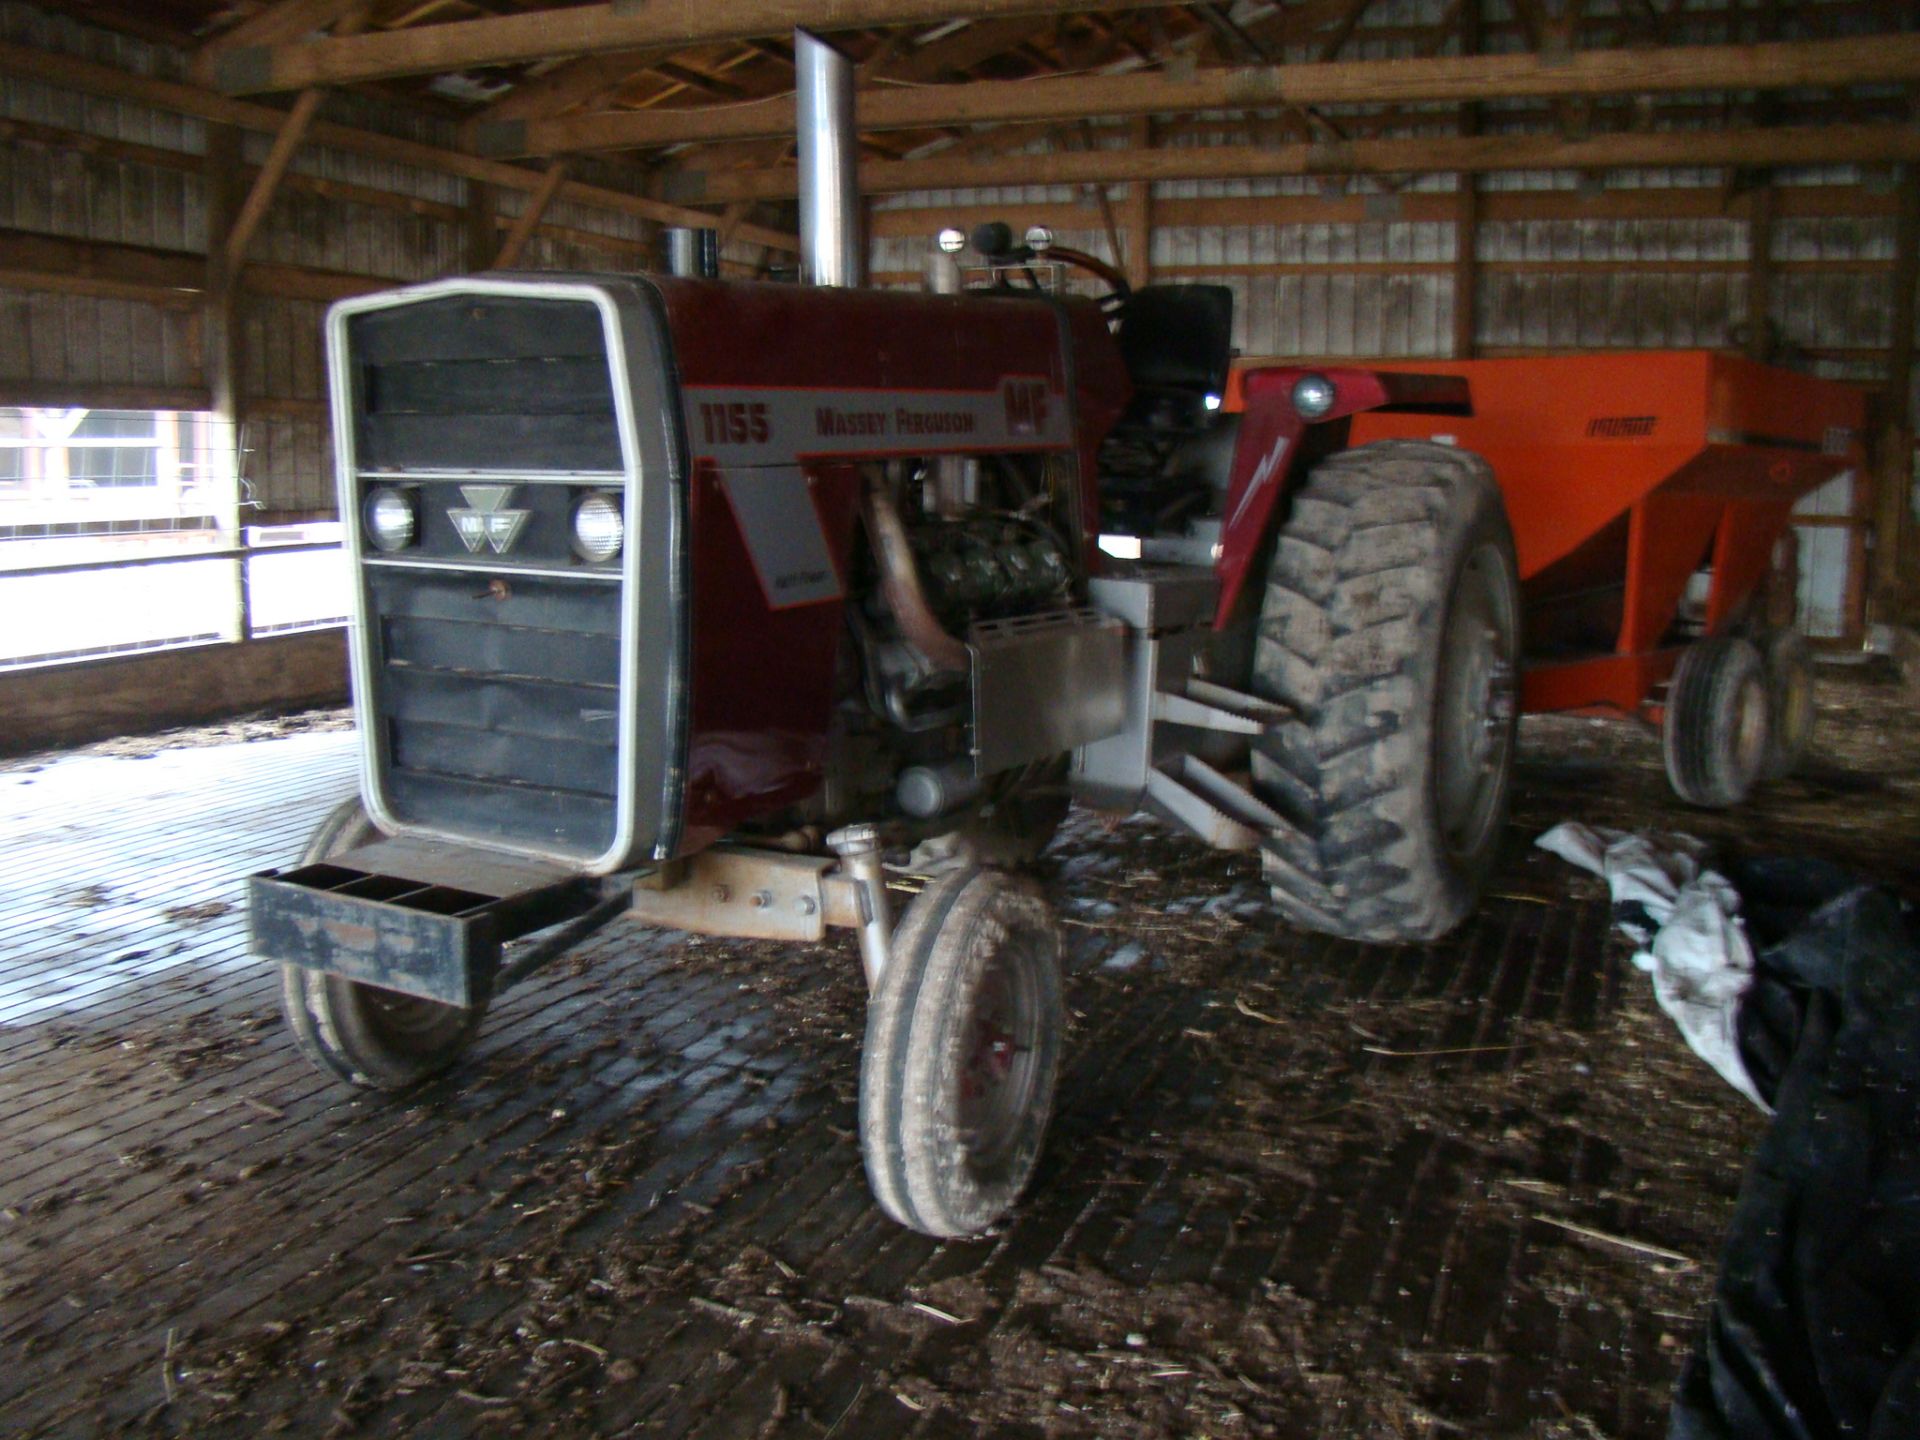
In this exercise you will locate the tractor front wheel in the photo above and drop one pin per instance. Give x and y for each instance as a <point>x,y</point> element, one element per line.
<point>366,1035</point>
<point>962,1049</point>
<point>1390,627</point>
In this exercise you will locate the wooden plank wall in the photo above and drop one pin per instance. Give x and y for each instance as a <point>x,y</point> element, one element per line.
<point>93,188</point>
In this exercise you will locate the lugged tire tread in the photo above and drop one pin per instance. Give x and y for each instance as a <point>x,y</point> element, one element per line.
<point>1353,572</point>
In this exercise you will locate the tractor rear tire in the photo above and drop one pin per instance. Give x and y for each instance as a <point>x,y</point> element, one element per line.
<point>962,1051</point>
<point>366,1035</point>
<point>1790,714</point>
<point>1390,627</point>
<point>1715,734</point>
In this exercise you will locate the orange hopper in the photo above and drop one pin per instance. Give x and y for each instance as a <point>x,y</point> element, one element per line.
<point>1626,474</point>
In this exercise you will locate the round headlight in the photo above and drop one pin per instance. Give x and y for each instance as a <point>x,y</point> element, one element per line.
<point>391,518</point>
<point>1039,239</point>
<point>1312,396</point>
<point>952,241</point>
<point>598,528</point>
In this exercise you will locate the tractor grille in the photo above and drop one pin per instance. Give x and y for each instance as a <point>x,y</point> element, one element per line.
<point>500,717</point>
<point>492,651</point>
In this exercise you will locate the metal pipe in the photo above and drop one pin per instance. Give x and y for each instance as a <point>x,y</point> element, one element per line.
<point>693,252</point>
<point>830,249</point>
<point>900,582</point>
<point>925,791</point>
<point>858,847</point>
<point>943,274</point>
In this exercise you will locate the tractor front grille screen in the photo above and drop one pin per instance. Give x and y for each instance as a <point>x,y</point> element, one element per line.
<point>501,716</point>
<point>492,648</point>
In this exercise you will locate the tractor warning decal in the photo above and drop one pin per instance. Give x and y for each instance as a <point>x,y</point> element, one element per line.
<point>768,427</point>
<point>774,508</point>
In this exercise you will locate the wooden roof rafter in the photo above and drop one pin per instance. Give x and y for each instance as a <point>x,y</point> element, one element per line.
<point>1449,79</point>
<point>1400,155</point>
<point>586,29</point>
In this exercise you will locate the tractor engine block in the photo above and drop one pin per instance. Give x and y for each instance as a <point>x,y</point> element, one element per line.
<point>986,567</point>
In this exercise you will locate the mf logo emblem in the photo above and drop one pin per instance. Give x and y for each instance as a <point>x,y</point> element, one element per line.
<point>1026,402</point>
<point>485,520</point>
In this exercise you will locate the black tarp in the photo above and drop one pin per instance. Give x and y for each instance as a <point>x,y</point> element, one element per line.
<point>1815,1324</point>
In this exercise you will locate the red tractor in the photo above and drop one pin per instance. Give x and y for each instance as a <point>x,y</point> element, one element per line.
<point>701,602</point>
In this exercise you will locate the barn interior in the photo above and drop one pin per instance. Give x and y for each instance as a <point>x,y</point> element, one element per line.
<point>1295,1185</point>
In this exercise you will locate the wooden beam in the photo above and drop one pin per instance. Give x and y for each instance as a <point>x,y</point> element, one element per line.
<point>171,279</point>
<point>1887,59</point>
<point>529,216</point>
<point>221,332</point>
<point>478,243</point>
<point>177,278</point>
<point>39,394</point>
<point>1760,333</point>
<point>1484,154</point>
<point>260,195</point>
<point>584,81</point>
<point>1437,208</point>
<point>1343,30</point>
<point>65,70</point>
<point>593,77</point>
<point>273,25</point>
<point>954,53</point>
<point>1906,275</point>
<point>286,140</point>
<point>1139,212</point>
<point>1466,222</point>
<point>588,29</point>
<point>1893,581</point>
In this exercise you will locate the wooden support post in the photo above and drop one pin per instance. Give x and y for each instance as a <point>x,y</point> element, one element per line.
<point>1139,214</point>
<point>529,216</point>
<point>1760,208</point>
<point>1109,221</point>
<point>220,327</point>
<point>286,140</point>
<point>254,209</point>
<point>481,235</point>
<point>1466,224</point>
<point>1893,521</point>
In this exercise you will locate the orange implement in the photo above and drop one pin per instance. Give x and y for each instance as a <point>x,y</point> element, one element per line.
<point>1624,475</point>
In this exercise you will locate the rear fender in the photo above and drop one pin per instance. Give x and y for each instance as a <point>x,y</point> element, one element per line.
<point>1270,444</point>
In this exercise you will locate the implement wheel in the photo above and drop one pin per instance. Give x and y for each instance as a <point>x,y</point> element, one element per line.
<point>962,1050</point>
<point>1715,735</point>
<point>377,1038</point>
<point>1390,627</point>
<point>1789,671</point>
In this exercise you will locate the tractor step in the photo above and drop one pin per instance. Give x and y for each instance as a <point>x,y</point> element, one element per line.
<point>1193,795</point>
<point>1206,706</point>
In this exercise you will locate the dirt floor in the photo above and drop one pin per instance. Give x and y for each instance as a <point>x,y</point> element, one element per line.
<point>1295,1187</point>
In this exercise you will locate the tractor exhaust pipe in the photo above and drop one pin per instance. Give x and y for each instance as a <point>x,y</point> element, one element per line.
<point>830,249</point>
<point>693,254</point>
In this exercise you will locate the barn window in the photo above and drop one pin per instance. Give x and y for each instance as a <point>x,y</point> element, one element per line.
<point>126,530</point>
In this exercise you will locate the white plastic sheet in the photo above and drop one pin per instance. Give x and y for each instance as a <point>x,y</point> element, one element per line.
<point>1685,919</point>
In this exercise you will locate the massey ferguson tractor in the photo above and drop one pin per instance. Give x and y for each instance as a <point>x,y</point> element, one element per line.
<point>706,603</point>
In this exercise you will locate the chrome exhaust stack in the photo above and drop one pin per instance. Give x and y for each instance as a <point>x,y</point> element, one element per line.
<point>693,254</point>
<point>830,247</point>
